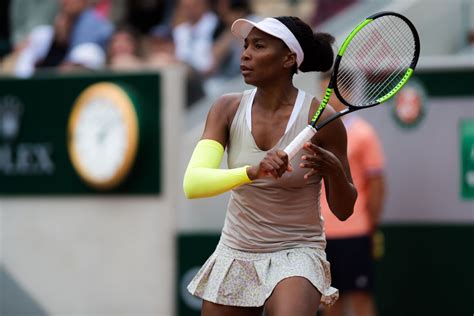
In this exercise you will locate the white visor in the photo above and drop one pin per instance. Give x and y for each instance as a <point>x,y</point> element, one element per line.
<point>242,27</point>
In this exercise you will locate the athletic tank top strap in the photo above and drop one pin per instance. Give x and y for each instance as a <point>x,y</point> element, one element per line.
<point>300,98</point>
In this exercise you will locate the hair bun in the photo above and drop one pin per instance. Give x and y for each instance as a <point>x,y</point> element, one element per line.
<point>324,37</point>
<point>324,51</point>
<point>317,48</point>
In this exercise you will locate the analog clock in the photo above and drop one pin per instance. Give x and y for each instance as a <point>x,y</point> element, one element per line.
<point>103,134</point>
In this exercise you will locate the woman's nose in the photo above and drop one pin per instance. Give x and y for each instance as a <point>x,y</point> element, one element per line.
<point>245,54</point>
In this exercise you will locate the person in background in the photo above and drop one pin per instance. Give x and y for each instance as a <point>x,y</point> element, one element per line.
<point>160,47</point>
<point>124,49</point>
<point>47,46</point>
<point>103,8</point>
<point>88,26</point>
<point>29,31</point>
<point>25,15</point>
<point>349,244</point>
<point>194,36</point>
<point>84,57</point>
<point>143,15</point>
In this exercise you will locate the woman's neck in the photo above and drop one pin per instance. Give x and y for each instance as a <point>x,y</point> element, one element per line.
<point>276,95</point>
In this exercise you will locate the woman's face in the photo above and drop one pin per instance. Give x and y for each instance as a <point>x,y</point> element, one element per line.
<point>264,58</point>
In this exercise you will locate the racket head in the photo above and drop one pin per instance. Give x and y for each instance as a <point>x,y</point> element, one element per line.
<point>376,60</point>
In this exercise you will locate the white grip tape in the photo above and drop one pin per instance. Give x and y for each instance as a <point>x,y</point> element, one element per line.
<point>296,144</point>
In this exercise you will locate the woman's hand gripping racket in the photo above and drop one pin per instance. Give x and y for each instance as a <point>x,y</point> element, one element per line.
<point>373,64</point>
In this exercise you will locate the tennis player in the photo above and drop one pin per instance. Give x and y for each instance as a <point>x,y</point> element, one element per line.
<point>271,254</point>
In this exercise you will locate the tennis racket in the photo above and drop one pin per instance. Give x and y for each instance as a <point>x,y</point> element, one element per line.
<point>374,62</point>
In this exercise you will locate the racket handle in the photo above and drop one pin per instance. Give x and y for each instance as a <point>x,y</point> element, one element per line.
<point>296,144</point>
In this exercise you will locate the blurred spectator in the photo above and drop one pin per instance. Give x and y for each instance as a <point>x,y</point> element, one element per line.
<point>325,9</point>
<point>88,26</point>
<point>124,49</point>
<point>76,23</point>
<point>47,47</point>
<point>59,43</point>
<point>160,47</point>
<point>113,10</point>
<point>195,36</point>
<point>161,54</point>
<point>103,8</point>
<point>84,57</point>
<point>193,39</point>
<point>27,14</point>
<point>145,14</point>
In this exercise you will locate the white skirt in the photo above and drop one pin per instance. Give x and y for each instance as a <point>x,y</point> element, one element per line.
<point>237,278</point>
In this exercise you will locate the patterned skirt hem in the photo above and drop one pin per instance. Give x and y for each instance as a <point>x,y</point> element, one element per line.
<point>236,278</point>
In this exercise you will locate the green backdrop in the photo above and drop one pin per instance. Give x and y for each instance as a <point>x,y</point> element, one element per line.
<point>46,104</point>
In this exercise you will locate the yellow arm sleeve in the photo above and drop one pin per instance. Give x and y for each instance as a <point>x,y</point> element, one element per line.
<point>203,178</point>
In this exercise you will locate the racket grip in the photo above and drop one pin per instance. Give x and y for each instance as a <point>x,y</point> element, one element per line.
<point>304,136</point>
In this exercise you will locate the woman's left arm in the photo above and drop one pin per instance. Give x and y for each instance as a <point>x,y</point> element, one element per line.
<point>326,156</point>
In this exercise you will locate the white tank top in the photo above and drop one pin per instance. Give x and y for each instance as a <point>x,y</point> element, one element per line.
<point>270,214</point>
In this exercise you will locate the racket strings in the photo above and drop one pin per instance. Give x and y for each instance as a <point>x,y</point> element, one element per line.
<point>375,61</point>
<point>369,84</point>
<point>378,74</point>
<point>379,68</point>
<point>394,78</point>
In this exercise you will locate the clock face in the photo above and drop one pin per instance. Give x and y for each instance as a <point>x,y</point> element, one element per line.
<point>103,135</point>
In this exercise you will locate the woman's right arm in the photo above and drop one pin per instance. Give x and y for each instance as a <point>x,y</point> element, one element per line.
<point>220,118</point>
<point>203,177</point>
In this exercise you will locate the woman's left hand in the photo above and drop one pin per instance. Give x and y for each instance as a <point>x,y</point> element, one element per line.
<point>320,161</point>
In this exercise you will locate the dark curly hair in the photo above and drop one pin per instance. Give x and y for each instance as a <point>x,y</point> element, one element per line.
<point>317,49</point>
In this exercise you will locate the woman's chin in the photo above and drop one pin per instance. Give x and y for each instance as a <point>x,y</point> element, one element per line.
<point>248,80</point>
